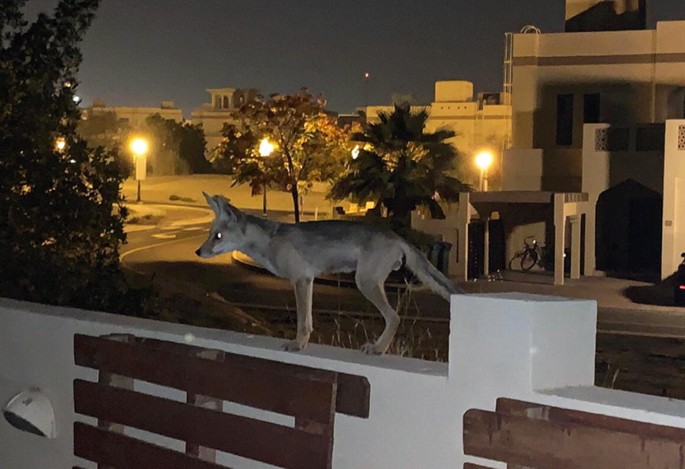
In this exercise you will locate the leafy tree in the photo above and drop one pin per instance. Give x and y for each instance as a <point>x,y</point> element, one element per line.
<point>308,144</point>
<point>400,166</point>
<point>175,142</point>
<point>104,129</point>
<point>192,147</point>
<point>61,212</point>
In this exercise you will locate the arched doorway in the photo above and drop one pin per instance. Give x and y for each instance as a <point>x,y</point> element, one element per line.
<point>628,236</point>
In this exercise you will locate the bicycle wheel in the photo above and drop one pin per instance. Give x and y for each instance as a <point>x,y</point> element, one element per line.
<point>529,259</point>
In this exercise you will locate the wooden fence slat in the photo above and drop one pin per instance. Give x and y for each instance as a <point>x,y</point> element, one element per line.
<point>267,390</point>
<point>254,439</point>
<point>540,443</point>
<point>206,402</point>
<point>470,465</point>
<point>570,416</point>
<point>123,452</point>
<point>353,394</point>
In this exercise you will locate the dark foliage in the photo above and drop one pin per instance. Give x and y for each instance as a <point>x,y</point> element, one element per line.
<point>61,212</point>
<point>400,166</point>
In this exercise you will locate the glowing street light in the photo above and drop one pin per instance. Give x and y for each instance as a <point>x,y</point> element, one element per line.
<point>139,147</point>
<point>355,152</point>
<point>483,160</point>
<point>60,144</point>
<point>266,148</point>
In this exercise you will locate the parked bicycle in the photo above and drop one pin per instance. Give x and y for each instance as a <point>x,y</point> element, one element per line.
<point>529,256</point>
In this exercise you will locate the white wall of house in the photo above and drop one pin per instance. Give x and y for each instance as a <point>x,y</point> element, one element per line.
<point>673,234</point>
<point>639,76</point>
<point>513,345</point>
<point>522,170</point>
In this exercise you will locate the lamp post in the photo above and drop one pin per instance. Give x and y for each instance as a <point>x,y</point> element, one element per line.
<point>265,150</point>
<point>483,161</point>
<point>139,148</point>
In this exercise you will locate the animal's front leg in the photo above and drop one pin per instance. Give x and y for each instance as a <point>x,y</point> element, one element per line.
<point>303,299</point>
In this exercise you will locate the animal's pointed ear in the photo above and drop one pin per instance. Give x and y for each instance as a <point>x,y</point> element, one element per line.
<point>228,211</point>
<point>211,201</point>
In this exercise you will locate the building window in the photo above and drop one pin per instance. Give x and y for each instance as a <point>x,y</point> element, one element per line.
<point>226,106</point>
<point>217,102</point>
<point>591,108</point>
<point>564,119</point>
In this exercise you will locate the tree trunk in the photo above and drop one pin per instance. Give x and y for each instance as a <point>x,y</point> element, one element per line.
<point>296,202</point>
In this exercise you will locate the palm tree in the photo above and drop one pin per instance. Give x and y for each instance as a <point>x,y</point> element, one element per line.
<point>401,167</point>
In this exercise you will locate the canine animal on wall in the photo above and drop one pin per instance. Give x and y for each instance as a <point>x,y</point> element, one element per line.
<point>302,251</point>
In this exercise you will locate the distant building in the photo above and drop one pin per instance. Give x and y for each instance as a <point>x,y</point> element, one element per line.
<point>483,122</point>
<point>134,116</point>
<point>214,114</point>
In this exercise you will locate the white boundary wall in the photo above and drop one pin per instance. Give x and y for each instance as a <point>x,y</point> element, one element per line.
<point>511,345</point>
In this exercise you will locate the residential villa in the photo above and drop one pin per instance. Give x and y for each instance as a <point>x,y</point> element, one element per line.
<point>598,123</point>
<point>217,111</point>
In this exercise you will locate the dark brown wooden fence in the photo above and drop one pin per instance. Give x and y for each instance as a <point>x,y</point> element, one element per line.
<point>208,377</point>
<point>526,434</point>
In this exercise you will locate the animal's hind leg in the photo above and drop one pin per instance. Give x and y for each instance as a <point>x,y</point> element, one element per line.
<point>303,299</point>
<point>371,287</point>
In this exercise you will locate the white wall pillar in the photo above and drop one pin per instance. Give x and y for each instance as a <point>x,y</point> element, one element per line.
<point>673,228</point>
<point>595,181</point>
<point>513,344</point>
<point>462,247</point>
<point>559,238</point>
<point>575,246</point>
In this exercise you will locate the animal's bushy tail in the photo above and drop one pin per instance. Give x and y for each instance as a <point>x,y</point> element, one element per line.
<point>428,274</point>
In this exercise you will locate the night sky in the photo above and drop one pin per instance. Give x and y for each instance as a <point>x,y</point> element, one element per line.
<point>140,52</point>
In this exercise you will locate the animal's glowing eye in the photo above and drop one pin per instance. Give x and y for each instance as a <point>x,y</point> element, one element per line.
<point>217,235</point>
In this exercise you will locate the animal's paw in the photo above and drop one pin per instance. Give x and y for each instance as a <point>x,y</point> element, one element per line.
<point>294,346</point>
<point>371,349</point>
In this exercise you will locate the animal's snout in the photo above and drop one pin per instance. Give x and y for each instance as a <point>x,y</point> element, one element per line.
<point>197,252</point>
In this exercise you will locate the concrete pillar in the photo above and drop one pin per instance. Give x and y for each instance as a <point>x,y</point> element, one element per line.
<point>673,232</point>
<point>575,246</point>
<point>559,238</point>
<point>595,181</point>
<point>486,247</point>
<point>513,344</point>
<point>462,247</point>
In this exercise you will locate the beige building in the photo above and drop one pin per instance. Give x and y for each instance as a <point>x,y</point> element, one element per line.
<point>562,81</point>
<point>214,114</point>
<point>134,116</point>
<point>480,123</point>
<point>596,109</point>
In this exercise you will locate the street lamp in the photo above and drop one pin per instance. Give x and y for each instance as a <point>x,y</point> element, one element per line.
<point>139,148</point>
<point>483,161</point>
<point>60,144</point>
<point>266,148</point>
<point>355,152</point>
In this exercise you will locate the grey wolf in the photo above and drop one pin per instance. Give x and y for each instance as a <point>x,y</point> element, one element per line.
<point>302,251</point>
